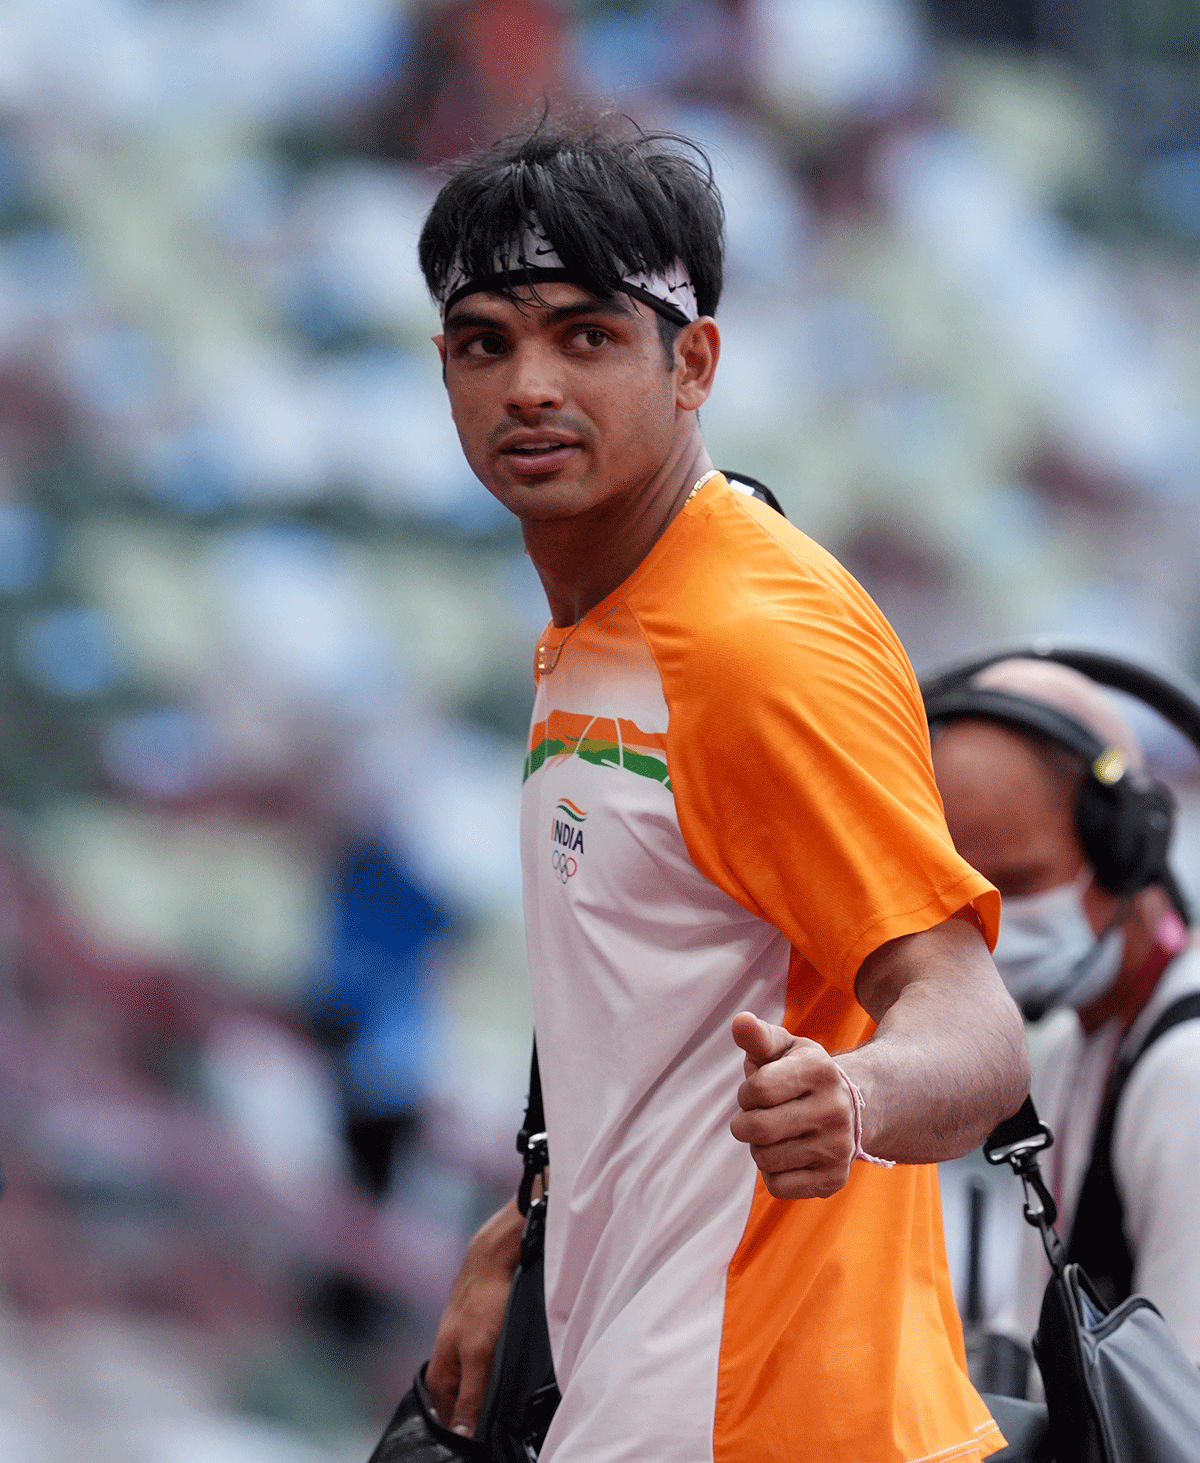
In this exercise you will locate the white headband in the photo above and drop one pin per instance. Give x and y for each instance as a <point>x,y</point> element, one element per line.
<point>534,260</point>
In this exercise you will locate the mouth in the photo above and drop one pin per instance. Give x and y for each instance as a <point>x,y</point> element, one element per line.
<point>538,455</point>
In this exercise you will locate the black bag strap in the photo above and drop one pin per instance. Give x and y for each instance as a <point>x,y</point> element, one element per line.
<point>1017,1141</point>
<point>532,1143</point>
<point>1098,1244</point>
<point>757,490</point>
<point>535,1118</point>
<point>521,1393</point>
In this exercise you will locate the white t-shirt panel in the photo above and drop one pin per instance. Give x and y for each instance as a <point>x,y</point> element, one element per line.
<point>638,963</point>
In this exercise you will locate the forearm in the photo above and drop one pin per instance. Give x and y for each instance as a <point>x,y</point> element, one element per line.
<point>940,1071</point>
<point>497,1242</point>
<point>471,1322</point>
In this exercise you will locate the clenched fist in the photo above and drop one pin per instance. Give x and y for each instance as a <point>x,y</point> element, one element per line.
<point>797,1113</point>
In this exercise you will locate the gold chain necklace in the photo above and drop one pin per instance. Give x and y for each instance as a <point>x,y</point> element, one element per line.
<point>546,659</point>
<point>546,665</point>
<point>699,483</point>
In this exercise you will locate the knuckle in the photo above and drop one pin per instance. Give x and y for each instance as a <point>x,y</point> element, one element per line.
<point>771,1158</point>
<point>835,1178</point>
<point>755,1130</point>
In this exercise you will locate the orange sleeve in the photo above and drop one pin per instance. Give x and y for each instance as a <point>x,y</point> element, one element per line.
<point>799,756</point>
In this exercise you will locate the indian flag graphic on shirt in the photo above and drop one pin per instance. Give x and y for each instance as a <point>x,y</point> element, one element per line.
<point>604,740</point>
<point>566,834</point>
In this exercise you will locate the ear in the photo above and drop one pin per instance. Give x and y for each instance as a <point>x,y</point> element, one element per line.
<point>697,351</point>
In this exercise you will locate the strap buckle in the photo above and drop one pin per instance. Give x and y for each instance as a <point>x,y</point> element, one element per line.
<point>535,1149</point>
<point>1017,1141</point>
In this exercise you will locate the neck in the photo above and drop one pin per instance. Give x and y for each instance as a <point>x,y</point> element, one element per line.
<point>582,559</point>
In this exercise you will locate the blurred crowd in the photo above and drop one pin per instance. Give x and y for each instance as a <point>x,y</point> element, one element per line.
<point>266,644</point>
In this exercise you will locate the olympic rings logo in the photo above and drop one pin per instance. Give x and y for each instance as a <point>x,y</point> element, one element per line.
<point>563,864</point>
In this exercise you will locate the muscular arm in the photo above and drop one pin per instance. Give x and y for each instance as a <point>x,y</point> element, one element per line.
<point>949,1057</point>
<point>947,1062</point>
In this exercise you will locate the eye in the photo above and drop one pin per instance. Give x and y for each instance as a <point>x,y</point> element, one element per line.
<point>590,338</point>
<point>487,343</point>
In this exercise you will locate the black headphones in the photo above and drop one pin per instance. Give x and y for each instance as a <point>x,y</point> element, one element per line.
<point>1123,816</point>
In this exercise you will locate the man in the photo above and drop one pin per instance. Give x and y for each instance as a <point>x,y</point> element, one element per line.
<point>734,864</point>
<point>1111,950</point>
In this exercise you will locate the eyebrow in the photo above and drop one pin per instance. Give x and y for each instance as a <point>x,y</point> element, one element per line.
<point>551,315</point>
<point>585,307</point>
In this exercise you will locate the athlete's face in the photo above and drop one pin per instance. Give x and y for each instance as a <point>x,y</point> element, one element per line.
<point>564,402</point>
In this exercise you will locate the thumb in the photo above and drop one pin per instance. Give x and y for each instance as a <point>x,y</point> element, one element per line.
<point>761,1041</point>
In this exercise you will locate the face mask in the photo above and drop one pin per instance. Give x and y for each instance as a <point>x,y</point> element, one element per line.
<point>1048,954</point>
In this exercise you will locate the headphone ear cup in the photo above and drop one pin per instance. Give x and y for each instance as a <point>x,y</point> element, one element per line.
<point>1125,830</point>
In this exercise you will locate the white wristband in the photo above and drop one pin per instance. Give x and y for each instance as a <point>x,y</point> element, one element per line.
<point>856,1099</point>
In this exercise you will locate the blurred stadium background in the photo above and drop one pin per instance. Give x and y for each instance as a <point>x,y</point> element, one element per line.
<point>265,644</point>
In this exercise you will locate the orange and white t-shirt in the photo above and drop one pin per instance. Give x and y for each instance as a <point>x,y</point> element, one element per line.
<point>728,804</point>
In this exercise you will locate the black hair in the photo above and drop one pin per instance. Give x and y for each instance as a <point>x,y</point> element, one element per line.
<point>609,202</point>
<point>667,333</point>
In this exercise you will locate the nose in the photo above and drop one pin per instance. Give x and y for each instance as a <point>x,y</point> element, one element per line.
<point>535,380</point>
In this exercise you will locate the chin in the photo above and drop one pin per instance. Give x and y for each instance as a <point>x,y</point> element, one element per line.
<point>543,499</point>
